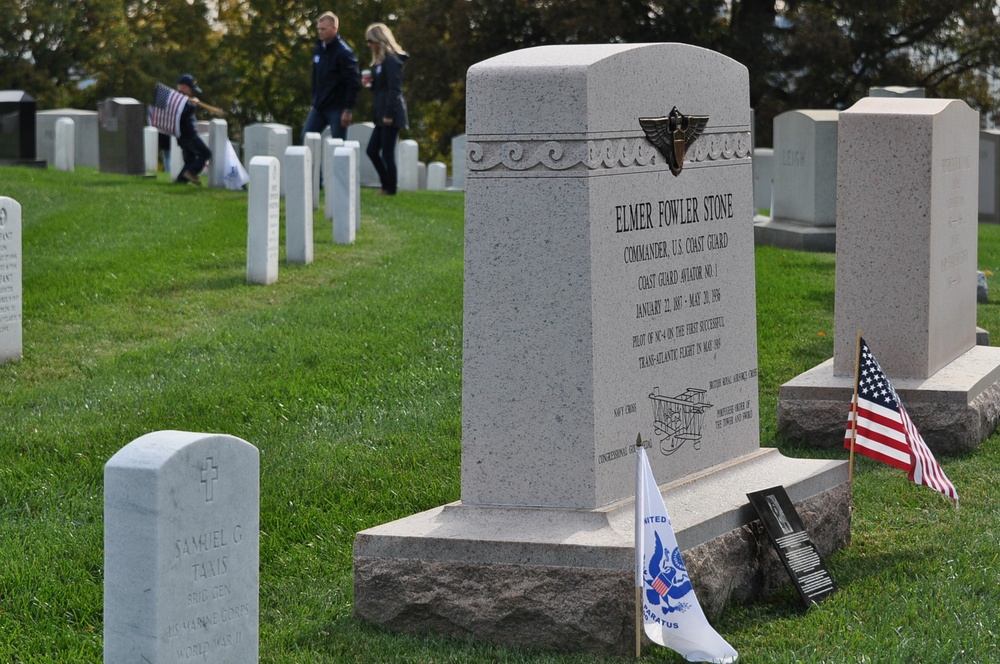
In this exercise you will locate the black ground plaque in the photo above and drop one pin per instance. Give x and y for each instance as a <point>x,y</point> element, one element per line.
<point>796,550</point>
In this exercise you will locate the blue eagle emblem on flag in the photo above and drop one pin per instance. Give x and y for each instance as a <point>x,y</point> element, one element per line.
<point>666,579</point>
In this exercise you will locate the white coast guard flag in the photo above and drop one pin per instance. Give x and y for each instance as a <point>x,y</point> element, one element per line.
<point>671,614</point>
<point>233,174</point>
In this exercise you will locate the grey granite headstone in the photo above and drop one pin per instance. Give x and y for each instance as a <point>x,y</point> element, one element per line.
<point>342,191</point>
<point>805,182</point>
<point>906,276</point>
<point>11,341</point>
<point>86,150</point>
<point>65,145</point>
<point>763,176</point>
<point>17,128</point>
<point>181,550</point>
<point>895,91</point>
<point>298,205</point>
<point>458,162</point>
<point>608,296</point>
<point>121,121</point>
<point>263,217</point>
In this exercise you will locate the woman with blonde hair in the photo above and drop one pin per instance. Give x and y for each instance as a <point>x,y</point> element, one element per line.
<point>388,107</point>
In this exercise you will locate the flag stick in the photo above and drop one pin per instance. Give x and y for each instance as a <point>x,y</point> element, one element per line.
<point>854,412</point>
<point>639,546</point>
<point>211,109</point>
<point>638,622</point>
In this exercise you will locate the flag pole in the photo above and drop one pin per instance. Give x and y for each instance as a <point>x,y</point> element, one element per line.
<point>639,546</point>
<point>854,411</point>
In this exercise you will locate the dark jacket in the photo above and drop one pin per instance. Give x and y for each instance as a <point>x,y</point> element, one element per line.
<point>387,86</point>
<point>189,124</point>
<point>335,76</point>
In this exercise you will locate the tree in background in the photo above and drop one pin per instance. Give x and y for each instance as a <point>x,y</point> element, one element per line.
<point>253,56</point>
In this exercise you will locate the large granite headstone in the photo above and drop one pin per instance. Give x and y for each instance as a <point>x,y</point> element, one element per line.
<point>805,182</point>
<point>17,129</point>
<point>181,550</point>
<point>11,333</point>
<point>86,152</point>
<point>609,296</point>
<point>263,219</point>
<point>907,198</point>
<point>121,121</point>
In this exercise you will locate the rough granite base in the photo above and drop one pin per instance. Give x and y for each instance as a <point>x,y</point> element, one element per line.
<point>791,235</point>
<point>572,589</point>
<point>955,410</point>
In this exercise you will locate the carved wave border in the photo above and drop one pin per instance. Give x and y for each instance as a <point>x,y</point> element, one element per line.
<point>596,155</point>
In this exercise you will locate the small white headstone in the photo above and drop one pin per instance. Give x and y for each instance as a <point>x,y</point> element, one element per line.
<point>356,190</point>
<point>176,159</point>
<point>345,184</point>
<point>298,205</point>
<point>218,139</point>
<point>150,147</point>
<point>65,145</point>
<point>11,343</point>
<point>437,176</point>
<point>421,176</point>
<point>314,142</point>
<point>409,153</point>
<point>458,162</point>
<point>329,145</point>
<point>263,210</point>
<point>181,550</point>
<point>362,133</point>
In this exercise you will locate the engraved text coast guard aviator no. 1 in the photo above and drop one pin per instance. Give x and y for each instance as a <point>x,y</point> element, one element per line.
<point>671,135</point>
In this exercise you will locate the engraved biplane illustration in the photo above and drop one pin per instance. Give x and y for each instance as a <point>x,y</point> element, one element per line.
<point>678,419</point>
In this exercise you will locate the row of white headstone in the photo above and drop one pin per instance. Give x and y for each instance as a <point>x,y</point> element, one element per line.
<point>301,179</point>
<point>80,147</point>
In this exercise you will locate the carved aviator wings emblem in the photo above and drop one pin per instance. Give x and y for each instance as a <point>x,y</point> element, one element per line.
<point>672,135</point>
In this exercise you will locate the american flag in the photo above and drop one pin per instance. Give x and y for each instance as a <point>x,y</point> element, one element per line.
<point>165,113</point>
<point>885,431</point>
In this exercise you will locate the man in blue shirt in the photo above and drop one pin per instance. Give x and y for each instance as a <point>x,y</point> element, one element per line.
<point>335,81</point>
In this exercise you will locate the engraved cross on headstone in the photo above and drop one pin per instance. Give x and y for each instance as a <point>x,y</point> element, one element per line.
<point>209,475</point>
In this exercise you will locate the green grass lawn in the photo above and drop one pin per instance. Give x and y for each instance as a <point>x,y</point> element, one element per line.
<point>346,374</point>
